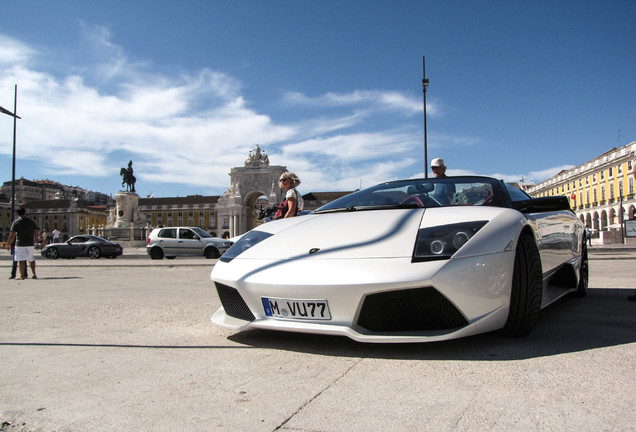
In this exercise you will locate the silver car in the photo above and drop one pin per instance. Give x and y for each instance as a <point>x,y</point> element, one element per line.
<point>170,242</point>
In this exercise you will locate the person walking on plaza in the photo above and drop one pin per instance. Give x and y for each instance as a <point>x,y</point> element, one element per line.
<point>56,235</point>
<point>24,233</point>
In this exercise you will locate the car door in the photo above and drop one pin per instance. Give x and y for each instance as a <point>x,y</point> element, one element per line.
<point>189,242</point>
<point>76,246</point>
<point>556,227</point>
<point>167,239</point>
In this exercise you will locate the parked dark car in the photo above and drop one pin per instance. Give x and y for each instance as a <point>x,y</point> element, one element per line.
<point>81,246</point>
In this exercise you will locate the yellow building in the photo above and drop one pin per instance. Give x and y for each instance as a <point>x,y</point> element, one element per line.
<point>601,191</point>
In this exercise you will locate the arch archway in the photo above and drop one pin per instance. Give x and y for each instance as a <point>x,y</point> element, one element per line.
<point>596,221</point>
<point>253,204</point>
<point>603,220</point>
<point>257,178</point>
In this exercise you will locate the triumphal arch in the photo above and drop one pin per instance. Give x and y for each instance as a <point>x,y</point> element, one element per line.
<point>252,186</point>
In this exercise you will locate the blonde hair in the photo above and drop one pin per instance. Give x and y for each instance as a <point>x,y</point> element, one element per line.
<point>290,175</point>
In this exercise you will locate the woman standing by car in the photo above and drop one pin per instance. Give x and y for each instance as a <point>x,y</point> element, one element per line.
<point>293,202</point>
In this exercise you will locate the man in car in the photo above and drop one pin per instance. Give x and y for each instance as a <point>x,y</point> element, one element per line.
<point>24,233</point>
<point>443,192</point>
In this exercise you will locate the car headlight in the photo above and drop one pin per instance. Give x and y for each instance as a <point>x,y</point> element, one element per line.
<point>250,239</point>
<point>441,242</point>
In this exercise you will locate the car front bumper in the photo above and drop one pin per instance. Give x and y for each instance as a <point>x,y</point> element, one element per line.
<point>475,288</point>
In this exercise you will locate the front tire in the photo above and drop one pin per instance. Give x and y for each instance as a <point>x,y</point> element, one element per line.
<point>212,253</point>
<point>94,252</point>
<point>52,253</point>
<point>527,284</point>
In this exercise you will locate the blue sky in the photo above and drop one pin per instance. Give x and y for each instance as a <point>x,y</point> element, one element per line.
<point>330,89</point>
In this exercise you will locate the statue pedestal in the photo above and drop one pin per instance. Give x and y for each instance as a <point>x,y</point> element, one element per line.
<point>128,225</point>
<point>127,208</point>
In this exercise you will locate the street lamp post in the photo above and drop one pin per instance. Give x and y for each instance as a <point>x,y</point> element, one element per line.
<point>424,87</point>
<point>15,118</point>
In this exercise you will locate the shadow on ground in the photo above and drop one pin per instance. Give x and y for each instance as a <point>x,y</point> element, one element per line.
<point>604,318</point>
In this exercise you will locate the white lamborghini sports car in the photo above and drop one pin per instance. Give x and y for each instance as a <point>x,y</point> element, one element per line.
<point>407,261</point>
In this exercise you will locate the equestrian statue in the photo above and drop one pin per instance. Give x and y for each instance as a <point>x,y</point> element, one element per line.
<point>128,178</point>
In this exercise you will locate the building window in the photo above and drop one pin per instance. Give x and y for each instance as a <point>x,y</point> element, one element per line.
<point>610,172</point>
<point>631,186</point>
<point>619,169</point>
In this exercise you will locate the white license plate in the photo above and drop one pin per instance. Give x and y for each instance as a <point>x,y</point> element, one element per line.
<point>296,309</point>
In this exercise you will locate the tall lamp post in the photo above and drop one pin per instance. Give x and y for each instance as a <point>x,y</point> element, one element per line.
<point>424,87</point>
<point>15,118</point>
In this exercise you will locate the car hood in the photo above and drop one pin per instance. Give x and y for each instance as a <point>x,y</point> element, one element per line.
<point>360,234</point>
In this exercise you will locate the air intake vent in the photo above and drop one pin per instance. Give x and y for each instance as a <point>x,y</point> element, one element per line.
<point>233,303</point>
<point>417,309</point>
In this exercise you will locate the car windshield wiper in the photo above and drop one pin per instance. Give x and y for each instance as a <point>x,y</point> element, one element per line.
<point>336,210</point>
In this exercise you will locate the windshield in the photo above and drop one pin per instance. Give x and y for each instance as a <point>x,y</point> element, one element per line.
<point>449,191</point>
<point>201,233</point>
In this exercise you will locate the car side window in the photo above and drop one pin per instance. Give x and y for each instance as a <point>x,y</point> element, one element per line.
<point>186,234</point>
<point>168,233</point>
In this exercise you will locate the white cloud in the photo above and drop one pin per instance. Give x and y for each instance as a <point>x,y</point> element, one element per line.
<point>14,52</point>
<point>372,100</point>
<point>192,128</point>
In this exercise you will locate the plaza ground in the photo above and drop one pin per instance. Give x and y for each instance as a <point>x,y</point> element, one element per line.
<point>127,345</point>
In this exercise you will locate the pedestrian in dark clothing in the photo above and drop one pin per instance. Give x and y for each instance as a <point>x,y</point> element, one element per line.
<point>24,233</point>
